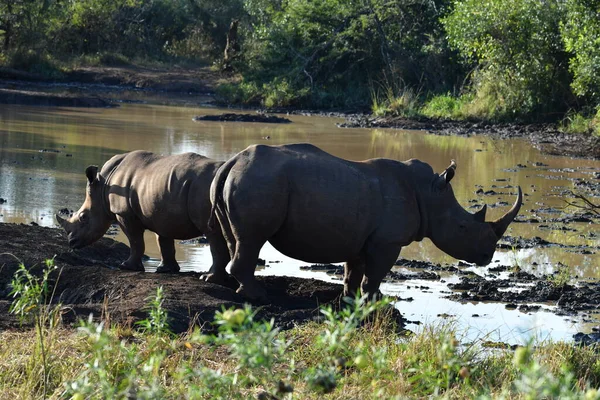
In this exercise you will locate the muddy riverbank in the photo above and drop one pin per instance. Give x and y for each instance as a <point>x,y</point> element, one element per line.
<point>87,281</point>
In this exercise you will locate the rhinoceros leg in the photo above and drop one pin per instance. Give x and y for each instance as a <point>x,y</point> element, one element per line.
<point>243,265</point>
<point>380,259</point>
<point>135,234</point>
<point>220,256</point>
<point>168,263</point>
<point>353,275</point>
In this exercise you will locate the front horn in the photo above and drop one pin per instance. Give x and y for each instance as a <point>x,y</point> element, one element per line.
<point>501,224</point>
<point>61,221</point>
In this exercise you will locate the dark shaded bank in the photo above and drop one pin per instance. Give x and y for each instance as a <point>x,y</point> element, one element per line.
<point>232,117</point>
<point>34,98</point>
<point>86,284</point>
<point>546,137</point>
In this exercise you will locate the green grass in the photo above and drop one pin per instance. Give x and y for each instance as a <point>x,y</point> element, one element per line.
<point>578,123</point>
<point>354,353</point>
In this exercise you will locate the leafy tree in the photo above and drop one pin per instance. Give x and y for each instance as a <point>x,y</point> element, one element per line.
<point>336,49</point>
<point>517,50</point>
<point>581,35</point>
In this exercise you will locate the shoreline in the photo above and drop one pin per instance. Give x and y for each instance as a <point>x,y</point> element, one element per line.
<point>88,87</point>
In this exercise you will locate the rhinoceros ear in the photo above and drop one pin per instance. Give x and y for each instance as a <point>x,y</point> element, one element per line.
<point>447,175</point>
<point>92,173</point>
<point>480,215</point>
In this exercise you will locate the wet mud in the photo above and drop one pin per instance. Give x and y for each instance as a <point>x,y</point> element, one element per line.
<point>87,282</point>
<point>232,117</point>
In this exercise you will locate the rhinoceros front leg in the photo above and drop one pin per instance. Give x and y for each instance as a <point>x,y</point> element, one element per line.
<point>135,233</point>
<point>353,275</point>
<point>380,260</point>
<point>168,263</point>
<point>220,257</point>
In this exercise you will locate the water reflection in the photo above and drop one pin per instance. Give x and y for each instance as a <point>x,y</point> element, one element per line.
<point>36,184</point>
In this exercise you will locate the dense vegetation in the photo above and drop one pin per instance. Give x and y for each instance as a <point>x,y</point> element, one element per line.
<point>497,60</point>
<point>355,352</point>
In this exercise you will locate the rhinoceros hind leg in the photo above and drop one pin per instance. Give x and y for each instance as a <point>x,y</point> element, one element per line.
<point>353,275</point>
<point>243,266</point>
<point>168,263</point>
<point>380,260</point>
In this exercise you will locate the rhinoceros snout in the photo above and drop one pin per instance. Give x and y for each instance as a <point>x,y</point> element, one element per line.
<point>484,260</point>
<point>74,242</point>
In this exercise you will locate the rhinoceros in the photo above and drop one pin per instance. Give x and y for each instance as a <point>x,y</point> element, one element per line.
<point>168,195</point>
<point>319,208</point>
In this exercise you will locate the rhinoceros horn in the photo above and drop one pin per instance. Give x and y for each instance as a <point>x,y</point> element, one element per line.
<point>62,222</point>
<point>502,223</point>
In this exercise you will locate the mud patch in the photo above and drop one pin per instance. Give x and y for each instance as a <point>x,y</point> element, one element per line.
<point>87,282</point>
<point>232,117</point>
<point>568,299</point>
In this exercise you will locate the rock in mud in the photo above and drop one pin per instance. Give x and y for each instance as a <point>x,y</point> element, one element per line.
<point>231,117</point>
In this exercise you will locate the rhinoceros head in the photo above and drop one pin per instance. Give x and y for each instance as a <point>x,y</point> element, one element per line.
<point>92,220</point>
<point>456,231</point>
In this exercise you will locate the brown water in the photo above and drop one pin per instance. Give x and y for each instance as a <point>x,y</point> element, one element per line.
<point>36,184</point>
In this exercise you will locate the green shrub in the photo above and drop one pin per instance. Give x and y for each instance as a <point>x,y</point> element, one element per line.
<point>581,36</point>
<point>35,62</point>
<point>446,106</point>
<point>517,49</point>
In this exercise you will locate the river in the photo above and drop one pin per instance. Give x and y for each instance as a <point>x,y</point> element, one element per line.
<point>44,152</point>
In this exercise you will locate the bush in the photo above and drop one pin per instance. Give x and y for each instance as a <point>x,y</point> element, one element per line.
<point>517,49</point>
<point>446,106</point>
<point>32,61</point>
<point>581,35</point>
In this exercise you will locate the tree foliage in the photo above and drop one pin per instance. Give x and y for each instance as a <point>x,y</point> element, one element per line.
<point>517,50</point>
<point>338,49</point>
<point>581,35</point>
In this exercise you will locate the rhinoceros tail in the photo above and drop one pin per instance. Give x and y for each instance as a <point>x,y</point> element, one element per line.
<point>216,193</point>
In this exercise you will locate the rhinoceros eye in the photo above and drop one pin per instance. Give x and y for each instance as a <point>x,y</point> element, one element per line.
<point>83,217</point>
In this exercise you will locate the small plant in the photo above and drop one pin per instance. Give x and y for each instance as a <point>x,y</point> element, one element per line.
<point>157,321</point>
<point>32,297</point>
<point>561,276</point>
<point>579,123</point>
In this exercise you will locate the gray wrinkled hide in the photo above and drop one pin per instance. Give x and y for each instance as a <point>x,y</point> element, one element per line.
<point>319,208</point>
<point>168,195</point>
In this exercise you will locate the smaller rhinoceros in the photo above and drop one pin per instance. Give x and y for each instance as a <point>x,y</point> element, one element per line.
<point>319,208</point>
<point>169,195</point>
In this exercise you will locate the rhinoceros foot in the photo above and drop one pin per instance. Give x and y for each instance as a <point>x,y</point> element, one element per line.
<point>132,266</point>
<point>214,277</point>
<point>254,293</point>
<point>167,268</point>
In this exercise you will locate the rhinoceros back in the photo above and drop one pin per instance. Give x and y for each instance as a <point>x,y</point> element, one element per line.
<point>312,205</point>
<point>157,190</point>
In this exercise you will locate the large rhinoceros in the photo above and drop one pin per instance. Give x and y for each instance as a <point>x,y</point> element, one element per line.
<point>319,208</point>
<point>169,195</point>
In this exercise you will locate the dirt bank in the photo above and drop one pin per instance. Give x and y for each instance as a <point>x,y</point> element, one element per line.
<point>94,86</point>
<point>86,283</point>
<point>36,98</point>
